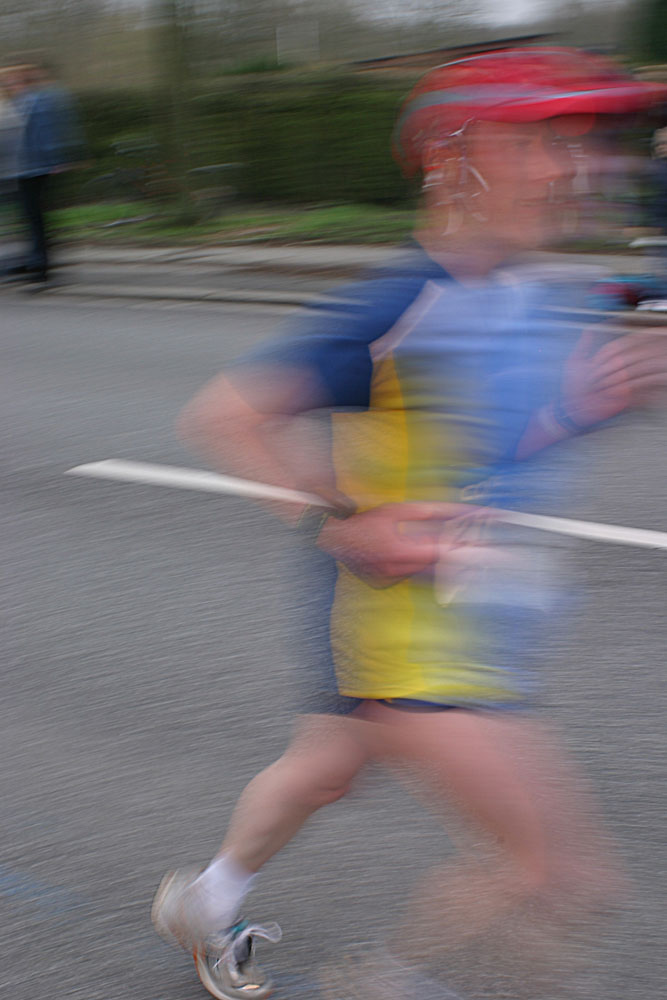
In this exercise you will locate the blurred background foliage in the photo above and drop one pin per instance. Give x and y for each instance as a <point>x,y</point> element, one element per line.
<point>298,138</point>
<point>122,43</point>
<point>198,103</point>
<point>649,37</point>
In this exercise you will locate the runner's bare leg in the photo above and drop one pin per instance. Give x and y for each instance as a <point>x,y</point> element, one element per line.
<point>541,866</point>
<point>324,756</point>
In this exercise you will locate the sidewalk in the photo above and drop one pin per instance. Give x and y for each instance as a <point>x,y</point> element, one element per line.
<point>261,274</point>
<point>286,276</point>
<point>303,257</point>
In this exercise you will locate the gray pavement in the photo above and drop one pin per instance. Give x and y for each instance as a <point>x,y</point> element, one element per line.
<point>148,674</point>
<point>282,275</point>
<point>263,274</point>
<point>309,257</point>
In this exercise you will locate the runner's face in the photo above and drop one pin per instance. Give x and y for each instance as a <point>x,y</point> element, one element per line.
<point>527,168</point>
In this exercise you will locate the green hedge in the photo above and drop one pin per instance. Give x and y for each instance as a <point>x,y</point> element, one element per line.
<point>298,140</point>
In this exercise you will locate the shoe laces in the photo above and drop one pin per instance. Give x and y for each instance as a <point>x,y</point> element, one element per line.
<point>237,941</point>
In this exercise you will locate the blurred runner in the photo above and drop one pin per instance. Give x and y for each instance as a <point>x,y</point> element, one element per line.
<point>449,383</point>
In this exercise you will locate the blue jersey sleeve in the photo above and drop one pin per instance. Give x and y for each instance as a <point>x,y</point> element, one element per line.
<point>334,339</point>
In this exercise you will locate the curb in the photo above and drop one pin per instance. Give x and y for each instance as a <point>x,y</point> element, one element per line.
<point>617,322</point>
<point>294,299</point>
<point>285,259</point>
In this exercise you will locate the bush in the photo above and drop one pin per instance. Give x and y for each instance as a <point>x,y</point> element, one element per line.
<point>109,117</point>
<point>328,143</point>
<point>300,139</point>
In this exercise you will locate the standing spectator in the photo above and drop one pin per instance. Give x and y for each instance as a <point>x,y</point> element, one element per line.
<point>10,136</point>
<point>50,143</point>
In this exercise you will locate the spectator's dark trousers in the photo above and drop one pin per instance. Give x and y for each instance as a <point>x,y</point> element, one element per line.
<point>32,192</point>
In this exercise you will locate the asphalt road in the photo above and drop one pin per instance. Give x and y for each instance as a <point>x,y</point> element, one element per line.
<point>147,675</point>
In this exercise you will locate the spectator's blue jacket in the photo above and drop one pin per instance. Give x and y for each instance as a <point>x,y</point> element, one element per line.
<point>51,134</point>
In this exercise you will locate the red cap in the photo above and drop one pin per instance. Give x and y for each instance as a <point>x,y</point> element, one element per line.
<point>514,85</point>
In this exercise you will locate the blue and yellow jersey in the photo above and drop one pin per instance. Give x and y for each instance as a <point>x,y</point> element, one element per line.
<point>430,386</point>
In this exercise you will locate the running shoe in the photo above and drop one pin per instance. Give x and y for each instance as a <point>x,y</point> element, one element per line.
<point>225,960</point>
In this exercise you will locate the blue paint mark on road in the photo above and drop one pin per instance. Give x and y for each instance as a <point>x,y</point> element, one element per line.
<point>23,886</point>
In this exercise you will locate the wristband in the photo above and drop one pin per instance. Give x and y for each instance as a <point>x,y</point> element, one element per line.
<point>313,518</point>
<point>549,423</point>
<point>565,420</point>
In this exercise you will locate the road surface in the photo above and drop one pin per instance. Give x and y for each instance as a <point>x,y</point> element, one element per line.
<point>147,674</point>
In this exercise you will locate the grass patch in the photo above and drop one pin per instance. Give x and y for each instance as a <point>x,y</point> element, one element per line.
<point>351,224</point>
<point>142,223</point>
<point>260,64</point>
<point>148,223</point>
<point>93,221</point>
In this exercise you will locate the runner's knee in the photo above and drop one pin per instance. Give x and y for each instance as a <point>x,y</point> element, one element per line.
<point>321,785</point>
<point>328,793</point>
<point>313,781</point>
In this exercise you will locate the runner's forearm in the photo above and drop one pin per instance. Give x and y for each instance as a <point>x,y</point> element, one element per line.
<point>234,437</point>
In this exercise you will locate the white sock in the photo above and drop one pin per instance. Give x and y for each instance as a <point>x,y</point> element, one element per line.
<point>222,887</point>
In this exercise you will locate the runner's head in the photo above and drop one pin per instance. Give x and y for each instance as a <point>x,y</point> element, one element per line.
<point>500,136</point>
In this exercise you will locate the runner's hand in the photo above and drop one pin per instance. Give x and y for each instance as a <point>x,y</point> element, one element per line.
<point>625,372</point>
<point>391,542</point>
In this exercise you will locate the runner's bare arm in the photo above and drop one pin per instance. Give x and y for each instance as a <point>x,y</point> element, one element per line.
<point>242,425</point>
<point>249,425</point>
